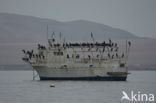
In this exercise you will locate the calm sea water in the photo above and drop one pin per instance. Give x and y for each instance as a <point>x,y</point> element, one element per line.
<point>18,87</point>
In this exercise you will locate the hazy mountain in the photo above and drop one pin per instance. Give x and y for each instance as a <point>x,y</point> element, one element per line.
<point>19,27</point>
<point>19,32</point>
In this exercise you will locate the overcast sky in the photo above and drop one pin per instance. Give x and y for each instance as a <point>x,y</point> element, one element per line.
<point>135,16</point>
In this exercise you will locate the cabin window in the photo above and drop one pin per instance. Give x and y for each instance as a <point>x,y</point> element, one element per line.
<point>122,65</point>
<point>68,56</point>
<point>77,56</point>
<point>58,53</point>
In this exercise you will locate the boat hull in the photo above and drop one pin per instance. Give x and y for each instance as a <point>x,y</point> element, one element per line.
<point>97,78</point>
<point>100,74</point>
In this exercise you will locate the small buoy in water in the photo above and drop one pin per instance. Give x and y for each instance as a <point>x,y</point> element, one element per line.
<point>52,85</point>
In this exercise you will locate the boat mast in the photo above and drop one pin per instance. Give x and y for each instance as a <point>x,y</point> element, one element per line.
<point>126,51</point>
<point>91,47</point>
<point>47,32</point>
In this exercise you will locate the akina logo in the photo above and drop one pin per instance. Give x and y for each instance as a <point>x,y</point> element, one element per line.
<point>138,96</point>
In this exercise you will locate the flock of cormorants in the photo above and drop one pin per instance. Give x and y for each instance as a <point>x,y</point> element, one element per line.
<point>110,44</point>
<point>31,53</point>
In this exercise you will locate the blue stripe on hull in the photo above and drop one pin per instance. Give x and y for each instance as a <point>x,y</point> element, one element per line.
<point>108,78</point>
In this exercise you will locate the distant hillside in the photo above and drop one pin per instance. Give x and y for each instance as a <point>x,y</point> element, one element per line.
<point>19,32</point>
<point>25,28</point>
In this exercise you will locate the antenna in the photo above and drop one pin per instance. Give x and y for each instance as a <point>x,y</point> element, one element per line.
<point>92,37</point>
<point>47,32</point>
<point>60,36</point>
<point>64,40</point>
<point>53,34</point>
<point>126,50</point>
<point>126,57</point>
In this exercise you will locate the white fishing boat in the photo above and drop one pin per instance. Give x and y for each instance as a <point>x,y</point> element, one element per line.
<point>61,60</point>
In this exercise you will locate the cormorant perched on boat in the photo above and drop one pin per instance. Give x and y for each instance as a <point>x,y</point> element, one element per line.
<point>29,53</point>
<point>89,56</point>
<point>129,43</point>
<point>55,45</point>
<point>67,55</point>
<point>112,44</point>
<point>39,56</point>
<point>32,51</point>
<point>116,55</point>
<point>116,49</point>
<point>112,56</point>
<point>103,49</point>
<point>23,51</point>
<point>53,40</point>
<point>91,44</point>
<point>108,55</point>
<point>39,46</point>
<point>43,47</point>
<point>63,45</point>
<point>43,56</point>
<point>122,55</point>
<point>110,41</point>
<point>115,44</point>
<point>67,45</point>
<point>97,56</point>
<point>36,56</point>
<point>83,44</point>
